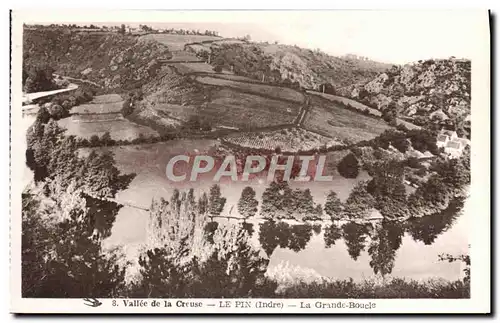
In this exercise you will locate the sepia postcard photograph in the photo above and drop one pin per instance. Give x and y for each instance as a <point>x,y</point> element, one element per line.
<point>317,161</point>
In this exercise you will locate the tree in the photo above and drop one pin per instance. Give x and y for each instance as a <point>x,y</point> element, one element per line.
<point>349,166</point>
<point>388,189</point>
<point>359,202</point>
<point>122,29</point>
<point>390,113</point>
<point>247,205</point>
<point>203,204</point>
<point>38,78</point>
<point>57,112</point>
<point>61,257</point>
<point>215,201</point>
<point>276,201</point>
<point>106,139</point>
<point>333,206</point>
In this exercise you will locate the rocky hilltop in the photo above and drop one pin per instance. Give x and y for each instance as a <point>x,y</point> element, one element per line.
<point>431,90</point>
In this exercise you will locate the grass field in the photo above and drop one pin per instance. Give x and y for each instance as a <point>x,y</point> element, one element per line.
<point>289,140</point>
<point>109,103</point>
<point>337,122</point>
<point>242,110</point>
<point>237,78</point>
<point>359,106</point>
<point>102,115</point>
<point>177,42</point>
<point>186,68</point>
<point>117,126</point>
<point>280,93</point>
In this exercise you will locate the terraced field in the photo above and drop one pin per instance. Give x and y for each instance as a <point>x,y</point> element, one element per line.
<point>288,140</point>
<point>280,93</point>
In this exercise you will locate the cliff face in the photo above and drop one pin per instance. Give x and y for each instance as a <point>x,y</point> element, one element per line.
<point>420,89</point>
<point>112,60</point>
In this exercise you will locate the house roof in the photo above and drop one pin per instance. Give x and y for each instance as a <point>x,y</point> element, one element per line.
<point>453,144</point>
<point>374,214</point>
<point>442,138</point>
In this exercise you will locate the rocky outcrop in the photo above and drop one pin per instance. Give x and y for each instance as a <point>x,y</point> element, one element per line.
<point>421,88</point>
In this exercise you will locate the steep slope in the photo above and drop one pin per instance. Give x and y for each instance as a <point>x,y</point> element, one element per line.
<point>431,90</point>
<point>289,65</point>
<point>117,62</point>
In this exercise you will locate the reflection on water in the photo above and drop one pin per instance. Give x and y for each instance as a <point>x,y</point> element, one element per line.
<point>378,242</point>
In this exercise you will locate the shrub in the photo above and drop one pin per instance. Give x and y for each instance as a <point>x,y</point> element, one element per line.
<point>349,166</point>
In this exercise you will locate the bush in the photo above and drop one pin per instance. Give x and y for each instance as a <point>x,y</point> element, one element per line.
<point>349,166</point>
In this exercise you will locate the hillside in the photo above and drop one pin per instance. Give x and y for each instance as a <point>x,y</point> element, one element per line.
<point>431,90</point>
<point>116,62</point>
<point>290,65</point>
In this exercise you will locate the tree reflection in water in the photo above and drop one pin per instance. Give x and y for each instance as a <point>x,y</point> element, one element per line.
<point>385,241</point>
<point>284,235</point>
<point>428,228</point>
<point>332,234</point>
<point>355,238</point>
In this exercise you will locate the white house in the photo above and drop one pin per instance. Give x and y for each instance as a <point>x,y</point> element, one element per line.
<point>452,144</point>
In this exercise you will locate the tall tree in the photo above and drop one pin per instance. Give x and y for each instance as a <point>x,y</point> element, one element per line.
<point>216,201</point>
<point>247,205</point>
<point>333,206</point>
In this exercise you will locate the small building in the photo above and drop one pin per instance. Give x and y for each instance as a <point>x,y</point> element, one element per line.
<point>444,137</point>
<point>455,148</point>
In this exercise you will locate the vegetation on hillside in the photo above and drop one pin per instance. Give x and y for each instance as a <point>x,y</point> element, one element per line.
<point>431,92</point>
<point>290,65</point>
<point>117,62</point>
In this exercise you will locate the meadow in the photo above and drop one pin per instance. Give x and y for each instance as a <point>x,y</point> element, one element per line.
<point>177,42</point>
<point>247,111</point>
<point>280,93</point>
<point>108,103</point>
<point>103,115</point>
<point>359,106</point>
<point>344,125</point>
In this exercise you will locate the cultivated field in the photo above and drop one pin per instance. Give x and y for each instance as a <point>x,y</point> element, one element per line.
<point>177,42</point>
<point>102,115</point>
<point>359,106</point>
<point>244,111</point>
<point>109,103</point>
<point>342,124</point>
<point>280,93</point>
<point>288,140</point>
<point>118,127</point>
<point>186,68</point>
